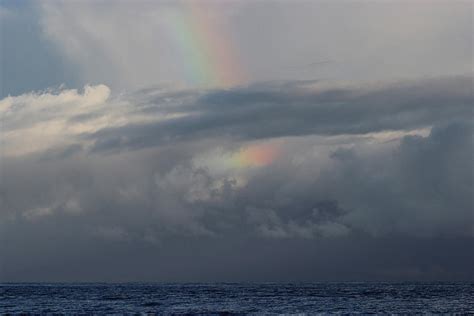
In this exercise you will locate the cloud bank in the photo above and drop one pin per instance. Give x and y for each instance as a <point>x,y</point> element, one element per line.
<point>157,174</point>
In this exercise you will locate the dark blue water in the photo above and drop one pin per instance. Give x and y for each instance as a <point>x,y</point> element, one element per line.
<point>165,299</point>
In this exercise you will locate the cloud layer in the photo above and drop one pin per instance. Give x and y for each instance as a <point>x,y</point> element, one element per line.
<point>155,117</point>
<point>363,41</point>
<point>150,174</point>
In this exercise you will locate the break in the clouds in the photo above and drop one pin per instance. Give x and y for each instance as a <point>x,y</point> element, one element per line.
<point>204,141</point>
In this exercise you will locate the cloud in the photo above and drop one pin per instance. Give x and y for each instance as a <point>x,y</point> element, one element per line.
<point>410,40</point>
<point>38,121</point>
<point>170,149</point>
<point>69,121</point>
<point>419,186</point>
<point>266,112</point>
<point>37,212</point>
<point>155,171</point>
<point>163,192</point>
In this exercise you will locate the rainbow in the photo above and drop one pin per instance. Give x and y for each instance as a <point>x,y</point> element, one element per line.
<point>257,155</point>
<point>206,51</point>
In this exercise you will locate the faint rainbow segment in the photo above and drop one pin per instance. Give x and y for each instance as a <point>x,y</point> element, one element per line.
<point>206,51</point>
<point>257,155</point>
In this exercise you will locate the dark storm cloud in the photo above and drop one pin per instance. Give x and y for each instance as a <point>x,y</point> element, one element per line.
<point>413,198</point>
<point>355,210</point>
<point>265,111</point>
<point>423,187</point>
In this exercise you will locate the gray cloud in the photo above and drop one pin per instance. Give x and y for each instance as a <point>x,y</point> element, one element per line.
<point>368,40</point>
<point>157,206</point>
<point>277,110</point>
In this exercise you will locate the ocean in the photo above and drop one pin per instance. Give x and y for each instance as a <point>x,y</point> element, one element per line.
<point>236,298</point>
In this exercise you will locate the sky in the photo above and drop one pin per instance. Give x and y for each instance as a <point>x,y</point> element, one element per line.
<point>236,141</point>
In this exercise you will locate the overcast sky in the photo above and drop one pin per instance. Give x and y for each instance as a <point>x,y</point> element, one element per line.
<point>236,141</point>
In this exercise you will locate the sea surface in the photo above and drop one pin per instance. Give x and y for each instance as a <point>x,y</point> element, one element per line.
<point>233,298</point>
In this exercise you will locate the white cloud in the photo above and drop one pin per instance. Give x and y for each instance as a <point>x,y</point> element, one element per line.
<point>37,121</point>
<point>35,213</point>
